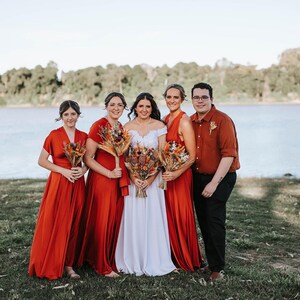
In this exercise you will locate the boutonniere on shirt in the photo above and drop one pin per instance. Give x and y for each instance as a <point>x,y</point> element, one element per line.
<point>212,126</point>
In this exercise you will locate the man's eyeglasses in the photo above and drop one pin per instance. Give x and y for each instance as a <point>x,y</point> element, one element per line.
<point>203,98</point>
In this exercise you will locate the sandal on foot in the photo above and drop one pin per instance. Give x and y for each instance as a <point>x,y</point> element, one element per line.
<point>71,273</point>
<point>112,274</point>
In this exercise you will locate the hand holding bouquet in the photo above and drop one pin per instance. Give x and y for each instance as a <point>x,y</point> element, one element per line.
<point>115,140</point>
<point>172,157</point>
<point>142,162</point>
<point>74,152</point>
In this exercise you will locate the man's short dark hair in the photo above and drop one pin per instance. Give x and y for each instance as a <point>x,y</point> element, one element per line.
<point>202,86</point>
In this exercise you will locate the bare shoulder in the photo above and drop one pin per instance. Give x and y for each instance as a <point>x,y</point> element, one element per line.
<point>158,124</point>
<point>185,120</point>
<point>129,125</point>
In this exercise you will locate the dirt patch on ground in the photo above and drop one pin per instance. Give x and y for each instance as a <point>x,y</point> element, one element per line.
<point>32,186</point>
<point>286,206</point>
<point>253,192</point>
<point>285,268</point>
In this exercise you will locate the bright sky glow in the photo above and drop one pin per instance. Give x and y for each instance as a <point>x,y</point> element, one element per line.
<point>82,33</point>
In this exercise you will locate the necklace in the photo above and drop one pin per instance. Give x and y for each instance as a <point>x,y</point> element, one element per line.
<point>143,123</point>
<point>111,121</point>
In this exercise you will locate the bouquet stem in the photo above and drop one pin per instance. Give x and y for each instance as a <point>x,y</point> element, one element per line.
<point>163,185</point>
<point>141,193</point>
<point>117,158</point>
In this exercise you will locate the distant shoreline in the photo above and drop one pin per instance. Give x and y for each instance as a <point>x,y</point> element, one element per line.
<point>161,103</point>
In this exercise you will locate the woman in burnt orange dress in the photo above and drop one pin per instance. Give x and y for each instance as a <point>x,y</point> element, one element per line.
<point>180,212</point>
<point>55,242</point>
<point>106,186</point>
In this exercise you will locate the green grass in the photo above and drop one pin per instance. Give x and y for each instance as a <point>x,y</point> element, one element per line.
<point>262,254</point>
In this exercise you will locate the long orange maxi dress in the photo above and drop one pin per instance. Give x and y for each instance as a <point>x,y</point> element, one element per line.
<point>55,241</point>
<point>180,212</point>
<point>103,209</point>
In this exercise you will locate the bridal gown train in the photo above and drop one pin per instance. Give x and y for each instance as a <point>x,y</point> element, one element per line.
<point>143,245</point>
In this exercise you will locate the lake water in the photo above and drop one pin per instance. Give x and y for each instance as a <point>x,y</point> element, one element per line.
<point>268,138</point>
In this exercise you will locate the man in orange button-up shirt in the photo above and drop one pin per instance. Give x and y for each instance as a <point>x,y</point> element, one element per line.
<point>213,172</point>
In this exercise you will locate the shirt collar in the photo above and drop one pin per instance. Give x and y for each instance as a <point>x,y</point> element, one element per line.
<point>207,117</point>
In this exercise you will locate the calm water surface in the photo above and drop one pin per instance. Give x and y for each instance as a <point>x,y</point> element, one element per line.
<point>268,138</point>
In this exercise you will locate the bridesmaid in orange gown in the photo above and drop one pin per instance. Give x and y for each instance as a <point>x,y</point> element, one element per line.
<point>55,240</point>
<point>106,186</point>
<point>180,212</point>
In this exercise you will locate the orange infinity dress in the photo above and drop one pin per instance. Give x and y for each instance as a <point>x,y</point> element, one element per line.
<point>180,212</point>
<point>55,241</point>
<point>103,210</point>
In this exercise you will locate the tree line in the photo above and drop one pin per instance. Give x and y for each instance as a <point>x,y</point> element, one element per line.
<point>231,82</point>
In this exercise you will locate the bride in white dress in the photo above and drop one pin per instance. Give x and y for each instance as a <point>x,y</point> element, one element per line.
<point>143,245</point>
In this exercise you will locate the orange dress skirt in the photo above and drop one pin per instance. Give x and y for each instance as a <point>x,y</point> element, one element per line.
<point>55,242</point>
<point>180,213</point>
<point>103,210</point>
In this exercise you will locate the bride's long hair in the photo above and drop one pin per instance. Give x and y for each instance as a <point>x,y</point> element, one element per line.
<point>155,114</point>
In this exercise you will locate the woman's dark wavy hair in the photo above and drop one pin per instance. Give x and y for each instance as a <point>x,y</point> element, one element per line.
<point>65,106</point>
<point>155,114</point>
<point>114,94</point>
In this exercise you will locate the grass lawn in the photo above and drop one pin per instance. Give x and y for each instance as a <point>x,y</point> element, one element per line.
<point>263,250</point>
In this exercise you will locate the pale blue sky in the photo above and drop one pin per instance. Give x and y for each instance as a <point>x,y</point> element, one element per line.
<point>81,33</point>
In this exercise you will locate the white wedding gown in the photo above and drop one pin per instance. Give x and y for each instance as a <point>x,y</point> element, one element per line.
<point>143,245</point>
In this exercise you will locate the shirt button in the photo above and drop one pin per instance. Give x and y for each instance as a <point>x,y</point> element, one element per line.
<point>198,147</point>
<point>198,135</point>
